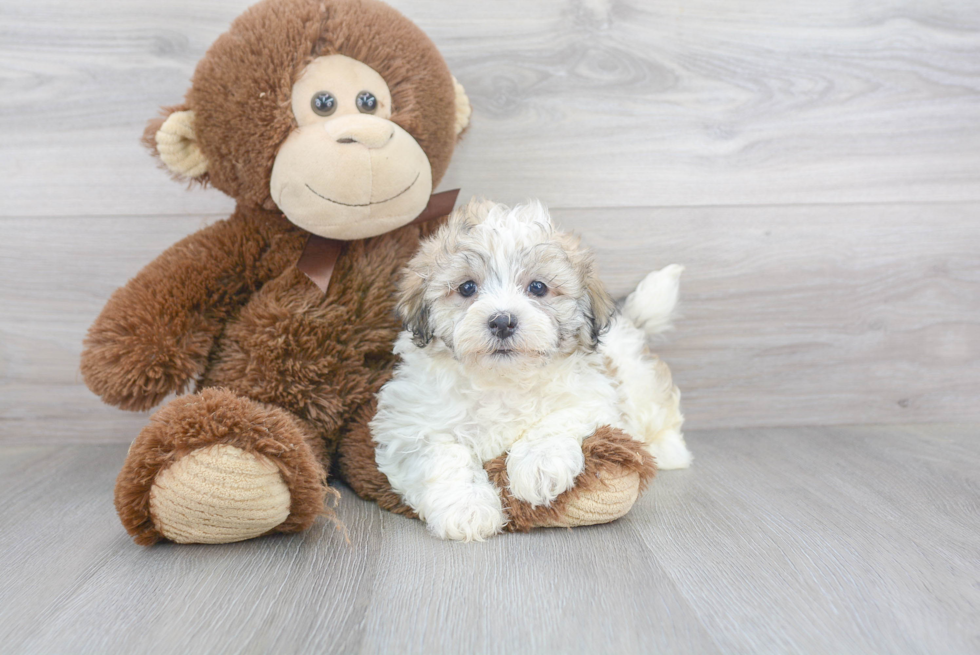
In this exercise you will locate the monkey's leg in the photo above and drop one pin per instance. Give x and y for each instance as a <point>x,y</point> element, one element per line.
<point>617,470</point>
<point>358,468</point>
<point>214,467</point>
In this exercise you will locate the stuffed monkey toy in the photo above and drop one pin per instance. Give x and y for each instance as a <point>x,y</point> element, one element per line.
<point>329,122</point>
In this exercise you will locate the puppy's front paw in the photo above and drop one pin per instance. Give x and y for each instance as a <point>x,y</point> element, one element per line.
<point>468,515</point>
<point>541,471</point>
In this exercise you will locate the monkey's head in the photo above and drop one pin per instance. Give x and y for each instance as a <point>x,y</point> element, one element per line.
<point>341,113</point>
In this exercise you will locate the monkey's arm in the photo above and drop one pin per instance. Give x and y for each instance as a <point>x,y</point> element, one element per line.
<point>154,335</point>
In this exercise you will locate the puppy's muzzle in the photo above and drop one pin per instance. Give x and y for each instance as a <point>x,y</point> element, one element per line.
<point>503,326</point>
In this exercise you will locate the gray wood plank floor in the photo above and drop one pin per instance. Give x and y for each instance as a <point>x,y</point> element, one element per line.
<point>808,540</point>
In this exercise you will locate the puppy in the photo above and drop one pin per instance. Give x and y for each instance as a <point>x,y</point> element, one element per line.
<point>512,345</point>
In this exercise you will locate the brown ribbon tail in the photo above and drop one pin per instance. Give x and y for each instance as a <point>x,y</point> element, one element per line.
<point>439,205</point>
<point>320,253</point>
<point>319,259</point>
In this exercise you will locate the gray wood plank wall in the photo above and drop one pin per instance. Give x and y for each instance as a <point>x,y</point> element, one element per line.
<point>816,166</point>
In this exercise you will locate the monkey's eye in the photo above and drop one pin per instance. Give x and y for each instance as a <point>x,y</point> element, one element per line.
<point>537,288</point>
<point>366,102</point>
<point>324,103</point>
<point>467,289</point>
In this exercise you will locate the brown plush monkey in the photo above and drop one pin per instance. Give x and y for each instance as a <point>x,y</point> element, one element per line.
<point>331,117</point>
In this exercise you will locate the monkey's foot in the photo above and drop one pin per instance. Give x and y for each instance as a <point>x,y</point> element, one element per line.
<point>215,467</point>
<point>602,504</point>
<point>217,495</point>
<point>617,471</point>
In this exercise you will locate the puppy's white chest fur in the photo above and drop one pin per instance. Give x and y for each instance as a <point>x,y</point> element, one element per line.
<point>488,411</point>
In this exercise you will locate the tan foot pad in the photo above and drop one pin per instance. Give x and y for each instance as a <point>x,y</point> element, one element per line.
<point>217,495</point>
<point>603,504</point>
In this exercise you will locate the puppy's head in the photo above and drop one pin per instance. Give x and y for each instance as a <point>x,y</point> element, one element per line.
<point>502,286</point>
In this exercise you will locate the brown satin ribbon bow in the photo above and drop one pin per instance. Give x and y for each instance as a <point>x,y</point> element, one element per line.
<point>320,254</point>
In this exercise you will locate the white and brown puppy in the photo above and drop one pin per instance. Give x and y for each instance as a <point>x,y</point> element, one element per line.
<point>513,345</point>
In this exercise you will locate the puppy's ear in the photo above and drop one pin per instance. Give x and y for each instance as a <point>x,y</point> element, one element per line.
<point>413,308</point>
<point>601,305</point>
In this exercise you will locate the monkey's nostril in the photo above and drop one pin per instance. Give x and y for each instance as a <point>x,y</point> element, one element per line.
<point>503,325</point>
<point>367,138</point>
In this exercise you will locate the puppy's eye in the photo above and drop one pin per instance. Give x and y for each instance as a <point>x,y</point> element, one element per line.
<point>537,288</point>
<point>323,103</point>
<point>366,102</point>
<point>467,289</point>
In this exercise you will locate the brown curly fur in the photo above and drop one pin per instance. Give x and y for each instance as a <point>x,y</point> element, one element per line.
<point>219,416</point>
<point>279,367</point>
<point>356,465</point>
<point>608,452</point>
<point>263,332</point>
<point>241,89</point>
<point>225,307</point>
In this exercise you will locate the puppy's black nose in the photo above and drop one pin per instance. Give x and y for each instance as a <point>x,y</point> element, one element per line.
<point>503,325</point>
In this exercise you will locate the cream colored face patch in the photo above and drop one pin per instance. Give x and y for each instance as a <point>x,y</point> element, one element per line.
<point>344,79</point>
<point>348,172</point>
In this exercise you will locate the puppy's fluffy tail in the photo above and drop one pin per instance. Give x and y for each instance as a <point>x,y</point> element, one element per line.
<point>651,306</point>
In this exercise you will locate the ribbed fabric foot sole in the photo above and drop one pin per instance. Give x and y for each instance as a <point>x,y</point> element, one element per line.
<point>606,503</point>
<point>218,495</point>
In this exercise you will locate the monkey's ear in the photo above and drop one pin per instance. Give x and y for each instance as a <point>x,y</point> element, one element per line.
<point>463,109</point>
<point>175,141</point>
<point>413,308</point>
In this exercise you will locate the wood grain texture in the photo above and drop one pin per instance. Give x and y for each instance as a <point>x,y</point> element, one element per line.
<point>826,539</point>
<point>790,315</point>
<point>809,540</point>
<point>816,166</point>
<point>808,315</point>
<point>584,103</point>
<point>58,274</point>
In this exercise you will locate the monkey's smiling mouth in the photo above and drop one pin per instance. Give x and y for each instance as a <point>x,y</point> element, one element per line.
<point>366,204</point>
